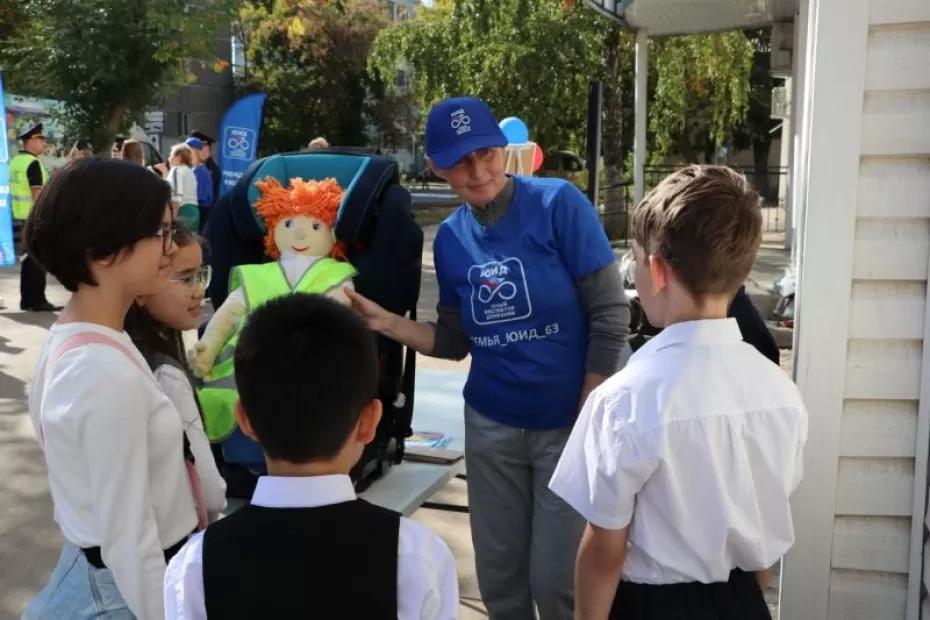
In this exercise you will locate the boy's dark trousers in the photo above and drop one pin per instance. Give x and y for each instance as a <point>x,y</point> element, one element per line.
<point>740,598</point>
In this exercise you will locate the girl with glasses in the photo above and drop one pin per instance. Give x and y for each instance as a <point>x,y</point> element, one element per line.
<point>113,442</point>
<point>156,323</point>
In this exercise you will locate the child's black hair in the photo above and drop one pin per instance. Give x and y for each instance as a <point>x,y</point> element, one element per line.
<point>93,209</point>
<point>305,368</point>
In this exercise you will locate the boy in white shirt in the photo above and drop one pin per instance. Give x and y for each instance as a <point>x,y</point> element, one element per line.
<point>306,546</point>
<point>683,462</point>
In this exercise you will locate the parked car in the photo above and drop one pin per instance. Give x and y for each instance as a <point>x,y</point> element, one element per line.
<point>562,164</point>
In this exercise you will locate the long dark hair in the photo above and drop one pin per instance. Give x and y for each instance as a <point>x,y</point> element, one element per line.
<point>154,340</point>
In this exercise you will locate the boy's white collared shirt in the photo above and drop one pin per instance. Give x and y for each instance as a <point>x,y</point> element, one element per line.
<point>427,584</point>
<point>697,446</point>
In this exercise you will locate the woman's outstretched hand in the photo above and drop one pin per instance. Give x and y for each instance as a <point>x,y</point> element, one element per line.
<point>377,317</point>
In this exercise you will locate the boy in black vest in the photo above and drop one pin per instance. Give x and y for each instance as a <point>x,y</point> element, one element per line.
<point>307,373</point>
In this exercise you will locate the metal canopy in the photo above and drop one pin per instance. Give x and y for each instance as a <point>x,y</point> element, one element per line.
<point>669,17</point>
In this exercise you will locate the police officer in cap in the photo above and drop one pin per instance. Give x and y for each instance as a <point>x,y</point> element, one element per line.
<point>27,177</point>
<point>209,162</point>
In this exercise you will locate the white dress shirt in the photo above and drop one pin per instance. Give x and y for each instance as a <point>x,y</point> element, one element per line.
<point>113,448</point>
<point>427,586</point>
<point>178,389</point>
<point>697,446</point>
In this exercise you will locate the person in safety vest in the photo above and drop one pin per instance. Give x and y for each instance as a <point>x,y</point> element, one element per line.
<point>300,222</point>
<point>27,177</point>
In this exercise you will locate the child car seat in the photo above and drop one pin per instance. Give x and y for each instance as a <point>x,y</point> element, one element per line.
<point>384,244</point>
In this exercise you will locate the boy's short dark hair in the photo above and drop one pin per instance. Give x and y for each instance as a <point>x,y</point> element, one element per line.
<point>705,222</point>
<point>92,209</point>
<point>305,368</point>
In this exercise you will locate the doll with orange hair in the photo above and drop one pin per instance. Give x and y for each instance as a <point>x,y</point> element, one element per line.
<point>300,222</point>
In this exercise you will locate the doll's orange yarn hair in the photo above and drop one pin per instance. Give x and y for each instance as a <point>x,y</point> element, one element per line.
<point>319,199</point>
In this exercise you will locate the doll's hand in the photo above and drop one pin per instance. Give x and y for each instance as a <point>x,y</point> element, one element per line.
<point>200,360</point>
<point>379,319</point>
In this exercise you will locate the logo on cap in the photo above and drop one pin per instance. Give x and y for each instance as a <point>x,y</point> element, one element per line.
<point>461,122</point>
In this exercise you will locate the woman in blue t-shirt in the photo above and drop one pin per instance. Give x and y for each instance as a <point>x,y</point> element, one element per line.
<point>528,287</point>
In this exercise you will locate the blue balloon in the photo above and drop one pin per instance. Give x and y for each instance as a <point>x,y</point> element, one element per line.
<point>515,130</point>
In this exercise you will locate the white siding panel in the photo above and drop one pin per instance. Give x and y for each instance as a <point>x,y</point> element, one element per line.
<point>879,487</point>
<point>898,11</point>
<point>859,595</point>
<point>871,543</point>
<point>898,58</point>
<point>887,310</point>
<point>879,428</point>
<point>891,249</point>
<point>895,123</point>
<point>883,369</point>
<point>894,187</point>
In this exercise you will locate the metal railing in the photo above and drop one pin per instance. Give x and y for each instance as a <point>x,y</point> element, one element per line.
<point>615,201</point>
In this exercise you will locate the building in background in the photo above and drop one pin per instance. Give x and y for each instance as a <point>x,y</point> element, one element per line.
<point>200,105</point>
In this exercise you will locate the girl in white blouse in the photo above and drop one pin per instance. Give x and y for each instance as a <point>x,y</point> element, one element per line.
<point>156,324</point>
<point>113,442</point>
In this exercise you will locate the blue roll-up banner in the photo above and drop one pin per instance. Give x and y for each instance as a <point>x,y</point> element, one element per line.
<point>238,142</point>
<point>7,250</point>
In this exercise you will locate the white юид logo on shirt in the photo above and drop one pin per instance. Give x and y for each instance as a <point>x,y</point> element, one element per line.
<point>499,292</point>
<point>461,122</point>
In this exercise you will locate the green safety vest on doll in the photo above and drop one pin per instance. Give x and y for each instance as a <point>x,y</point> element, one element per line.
<point>260,284</point>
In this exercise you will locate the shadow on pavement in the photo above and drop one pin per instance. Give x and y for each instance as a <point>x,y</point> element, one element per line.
<point>36,319</point>
<point>30,539</point>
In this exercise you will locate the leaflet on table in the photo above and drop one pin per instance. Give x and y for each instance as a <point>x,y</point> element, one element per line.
<point>427,440</point>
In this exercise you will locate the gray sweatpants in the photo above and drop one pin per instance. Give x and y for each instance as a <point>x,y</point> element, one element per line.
<point>525,536</point>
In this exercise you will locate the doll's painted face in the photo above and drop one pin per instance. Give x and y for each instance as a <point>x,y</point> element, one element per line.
<point>303,234</point>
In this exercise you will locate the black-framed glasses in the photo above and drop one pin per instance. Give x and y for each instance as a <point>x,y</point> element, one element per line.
<point>200,278</point>
<point>166,232</point>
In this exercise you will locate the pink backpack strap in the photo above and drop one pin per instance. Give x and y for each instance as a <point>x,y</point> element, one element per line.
<point>89,337</point>
<point>84,338</point>
<point>77,341</point>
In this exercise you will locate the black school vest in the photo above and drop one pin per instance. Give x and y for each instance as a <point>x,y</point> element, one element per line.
<point>336,561</point>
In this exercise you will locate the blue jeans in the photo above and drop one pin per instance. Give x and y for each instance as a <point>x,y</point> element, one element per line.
<point>525,536</point>
<point>76,590</point>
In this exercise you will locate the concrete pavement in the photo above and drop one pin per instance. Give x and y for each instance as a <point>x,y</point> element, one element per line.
<point>29,538</point>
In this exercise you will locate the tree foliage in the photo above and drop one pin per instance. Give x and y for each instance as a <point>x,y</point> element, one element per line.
<point>759,129</point>
<point>534,59</point>
<point>309,56</point>
<point>106,60</point>
<point>531,59</point>
<point>701,92</point>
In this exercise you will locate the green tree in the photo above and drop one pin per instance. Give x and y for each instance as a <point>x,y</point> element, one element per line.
<point>106,60</point>
<point>528,59</point>
<point>701,93</point>
<point>758,130</point>
<point>309,56</point>
<point>616,128</point>
<point>535,60</point>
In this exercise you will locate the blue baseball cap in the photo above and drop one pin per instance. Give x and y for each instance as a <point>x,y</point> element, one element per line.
<point>194,143</point>
<point>456,127</point>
